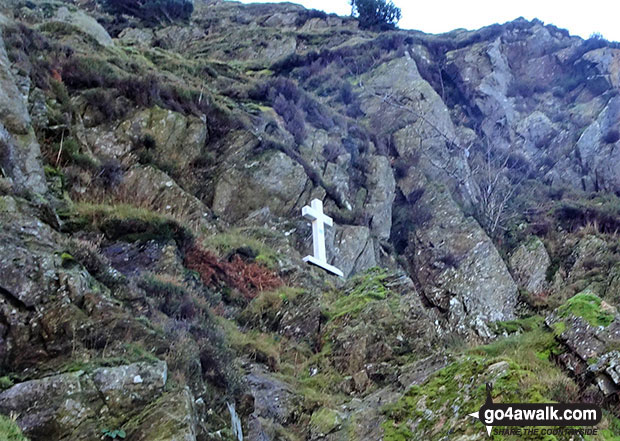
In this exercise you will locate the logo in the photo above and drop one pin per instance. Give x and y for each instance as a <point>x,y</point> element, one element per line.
<point>517,415</point>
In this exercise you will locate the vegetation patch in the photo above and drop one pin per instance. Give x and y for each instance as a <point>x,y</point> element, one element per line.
<point>129,223</point>
<point>226,243</point>
<point>249,278</point>
<point>361,290</point>
<point>9,431</point>
<point>587,306</point>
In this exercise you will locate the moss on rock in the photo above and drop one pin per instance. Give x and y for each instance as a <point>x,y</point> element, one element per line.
<point>587,306</point>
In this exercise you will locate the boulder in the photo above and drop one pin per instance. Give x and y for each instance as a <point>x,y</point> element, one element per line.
<point>589,330</point>
<point>84,23</point>
<point>171,418</point>
<point>353,249</point>
<point>529,264</point>
<point>131,386</point>
<point>273,399</point>
<point>52,407</point>
<point>154,188</point>
<point>272,180</point>
<point>20,151</point>
<point>458,268</point>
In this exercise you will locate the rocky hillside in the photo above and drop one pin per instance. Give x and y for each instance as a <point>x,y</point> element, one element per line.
<point>152,178</point>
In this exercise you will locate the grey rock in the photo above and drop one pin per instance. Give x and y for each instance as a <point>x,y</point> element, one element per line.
<point>21,157</point>
<point>155,188</point>
<point>127,387</point>
<point>381,186</point>
<point>84,23</point>
<point>273,399</point>
<point>136,37</point>
<point>458,267</point>
<point>274,181</point>
<point>171,418</point>
<point>601,160</point>
<point>353,249</point>
<point>52,407</point>
<point>529,264</point>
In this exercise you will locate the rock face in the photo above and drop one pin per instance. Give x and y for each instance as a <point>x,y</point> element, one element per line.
<point>84,23</point>
<point>20,151</point>
<point>274,181</point>
<point>590,330</point>
<point>598,149</point>
<point>55,406</point>
<point>529,265</point>
<point>151,186</point>
<point>458,268</point>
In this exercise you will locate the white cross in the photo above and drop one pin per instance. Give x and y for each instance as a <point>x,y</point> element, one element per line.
<point>315,213</point>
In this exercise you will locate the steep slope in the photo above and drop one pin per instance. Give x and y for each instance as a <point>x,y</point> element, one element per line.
<point>152,179</point>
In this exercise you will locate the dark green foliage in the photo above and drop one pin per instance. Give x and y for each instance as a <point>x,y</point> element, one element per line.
<point>152,12</point>
<point>375,14</point>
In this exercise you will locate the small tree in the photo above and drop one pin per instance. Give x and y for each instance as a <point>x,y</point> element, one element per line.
<point>375,14</point>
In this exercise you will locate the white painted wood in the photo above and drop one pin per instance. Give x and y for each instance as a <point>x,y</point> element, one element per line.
<point>315,214</point>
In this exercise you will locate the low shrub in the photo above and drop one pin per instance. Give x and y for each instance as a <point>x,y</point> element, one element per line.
<point>129,223</point>
<point>105,104</point>
<point>172,298</point>
<point>602,211</point>
<point>87,253</point>
<point>110,173</point>
<point>249,278</point>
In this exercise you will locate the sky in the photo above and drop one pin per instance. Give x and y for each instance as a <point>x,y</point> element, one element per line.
<point>582,18</point>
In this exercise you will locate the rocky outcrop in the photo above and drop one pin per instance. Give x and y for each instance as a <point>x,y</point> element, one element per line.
<point>590,331</point>
<point>84,23</point>
<point>529,265</point>
<point>457,267</point>
<point>404,104</point>
<point>273,180</point>
<point>20,153</point>
<point>598,150</point>
<point>56,406</point>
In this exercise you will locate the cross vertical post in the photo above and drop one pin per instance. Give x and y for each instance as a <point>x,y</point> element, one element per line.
<point>319,220</point>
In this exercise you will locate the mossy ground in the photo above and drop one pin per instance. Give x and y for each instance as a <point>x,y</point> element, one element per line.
<point>359,292</point>
<point>587,306</point>
<point>521,369</point>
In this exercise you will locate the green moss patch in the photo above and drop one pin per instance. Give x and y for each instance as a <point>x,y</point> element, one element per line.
<point>235,239</point>
<point>360,290</point>
<point>129,223</point>
<point>587,306</point>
